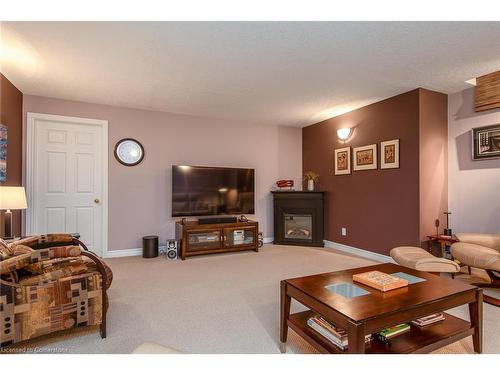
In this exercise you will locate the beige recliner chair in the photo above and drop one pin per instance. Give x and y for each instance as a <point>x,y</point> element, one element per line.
<point>480,251</point>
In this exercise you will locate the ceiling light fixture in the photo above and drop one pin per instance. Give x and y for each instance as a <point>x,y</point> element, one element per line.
<point>17,54</point>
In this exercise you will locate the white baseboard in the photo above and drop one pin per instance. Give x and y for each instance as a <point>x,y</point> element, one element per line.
<point>328,244</point>
<point>138,251</point>
<point>268,239</point>
<point>358,252</point>
<point>123,253</point>
<point>128,252</point>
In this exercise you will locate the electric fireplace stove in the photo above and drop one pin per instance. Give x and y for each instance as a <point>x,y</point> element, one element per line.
<point>298,218</point>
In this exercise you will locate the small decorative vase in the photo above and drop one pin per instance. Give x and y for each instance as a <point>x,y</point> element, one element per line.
<point>310,185</point>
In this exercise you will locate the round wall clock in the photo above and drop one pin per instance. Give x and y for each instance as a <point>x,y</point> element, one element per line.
<point>129,152</point>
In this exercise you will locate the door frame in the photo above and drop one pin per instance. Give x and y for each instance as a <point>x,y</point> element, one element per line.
<point>31,150</point>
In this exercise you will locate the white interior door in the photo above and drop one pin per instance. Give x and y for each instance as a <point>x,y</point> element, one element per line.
<point>68,184</point>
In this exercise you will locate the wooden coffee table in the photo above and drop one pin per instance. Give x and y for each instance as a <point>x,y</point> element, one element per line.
<point>377,310</point>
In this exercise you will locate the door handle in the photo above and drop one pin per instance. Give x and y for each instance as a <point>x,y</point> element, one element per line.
<point>97,201</point>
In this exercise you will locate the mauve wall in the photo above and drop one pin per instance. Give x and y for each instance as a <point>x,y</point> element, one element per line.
<point>379,208</point>
<point>11,114</point>
<point>140,197</point>
<point>474,186</point>
<point>433,161</point>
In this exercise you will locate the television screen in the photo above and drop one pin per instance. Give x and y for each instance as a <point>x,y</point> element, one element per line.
<point>204,191</point>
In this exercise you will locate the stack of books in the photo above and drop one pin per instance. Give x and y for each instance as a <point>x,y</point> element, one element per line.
<point>335,335</point>
<point>428,320</point>
<point>389,333</point>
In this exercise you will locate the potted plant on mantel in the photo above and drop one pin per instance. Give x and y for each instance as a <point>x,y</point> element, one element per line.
<point>311,177</point>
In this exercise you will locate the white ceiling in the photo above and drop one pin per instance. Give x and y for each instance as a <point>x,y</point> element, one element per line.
<point>280,73</point>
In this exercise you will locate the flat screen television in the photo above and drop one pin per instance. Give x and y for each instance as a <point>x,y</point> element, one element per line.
<point>206,191</point>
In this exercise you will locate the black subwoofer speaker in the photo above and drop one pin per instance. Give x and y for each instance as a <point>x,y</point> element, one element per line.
<point>150,246</point>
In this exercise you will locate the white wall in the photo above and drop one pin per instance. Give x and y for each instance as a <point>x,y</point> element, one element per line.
<point>473,186</point>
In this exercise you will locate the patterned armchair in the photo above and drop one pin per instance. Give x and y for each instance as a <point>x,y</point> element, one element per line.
<point>49,284</point>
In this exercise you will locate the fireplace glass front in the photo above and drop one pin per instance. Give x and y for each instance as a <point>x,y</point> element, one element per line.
<point>298,227</point>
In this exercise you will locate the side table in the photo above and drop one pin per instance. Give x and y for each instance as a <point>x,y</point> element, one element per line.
<point>442,240</point>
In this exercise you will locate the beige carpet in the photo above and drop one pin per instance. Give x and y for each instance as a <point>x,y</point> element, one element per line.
<point>477,276</point>
<point>225,303</point>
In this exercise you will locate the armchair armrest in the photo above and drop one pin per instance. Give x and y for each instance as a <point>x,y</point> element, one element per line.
<point>103,268</point>
<point>106,277</point>
<point>24,256</point>
<point>35,249</point>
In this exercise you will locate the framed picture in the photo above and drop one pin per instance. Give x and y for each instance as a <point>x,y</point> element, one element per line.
<point>365,157</point>
<point>486,142</point>
<point>342,160</point>
<point>389,154</point>
<point>3,153</point>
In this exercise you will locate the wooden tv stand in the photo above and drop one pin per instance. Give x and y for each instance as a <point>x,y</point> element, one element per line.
<point>200,239</point>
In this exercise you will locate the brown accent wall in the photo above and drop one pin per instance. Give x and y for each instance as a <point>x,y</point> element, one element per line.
<point>11,114</point>
<point>379,208</point>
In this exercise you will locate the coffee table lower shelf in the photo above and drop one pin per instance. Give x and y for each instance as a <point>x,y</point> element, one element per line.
<point>417,340</point>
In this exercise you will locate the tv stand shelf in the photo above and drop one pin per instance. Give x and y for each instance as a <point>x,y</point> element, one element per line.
<point>201,239</point>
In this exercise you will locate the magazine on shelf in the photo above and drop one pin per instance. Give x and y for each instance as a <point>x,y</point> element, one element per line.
<point>336,336</point>
<point>428,320</point>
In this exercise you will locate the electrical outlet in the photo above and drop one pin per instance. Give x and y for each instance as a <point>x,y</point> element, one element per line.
<point>344,232</point>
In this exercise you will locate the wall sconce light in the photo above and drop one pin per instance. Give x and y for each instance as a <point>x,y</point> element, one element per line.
<point>343,133</point>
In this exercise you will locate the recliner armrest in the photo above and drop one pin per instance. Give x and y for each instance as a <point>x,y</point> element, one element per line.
<point>491,241</point>
<point>477,256</point>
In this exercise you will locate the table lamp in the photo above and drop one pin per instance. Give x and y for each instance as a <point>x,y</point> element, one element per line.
<point>11,198</point>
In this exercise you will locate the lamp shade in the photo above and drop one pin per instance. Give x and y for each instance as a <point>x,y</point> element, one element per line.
<point>12,198</point>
